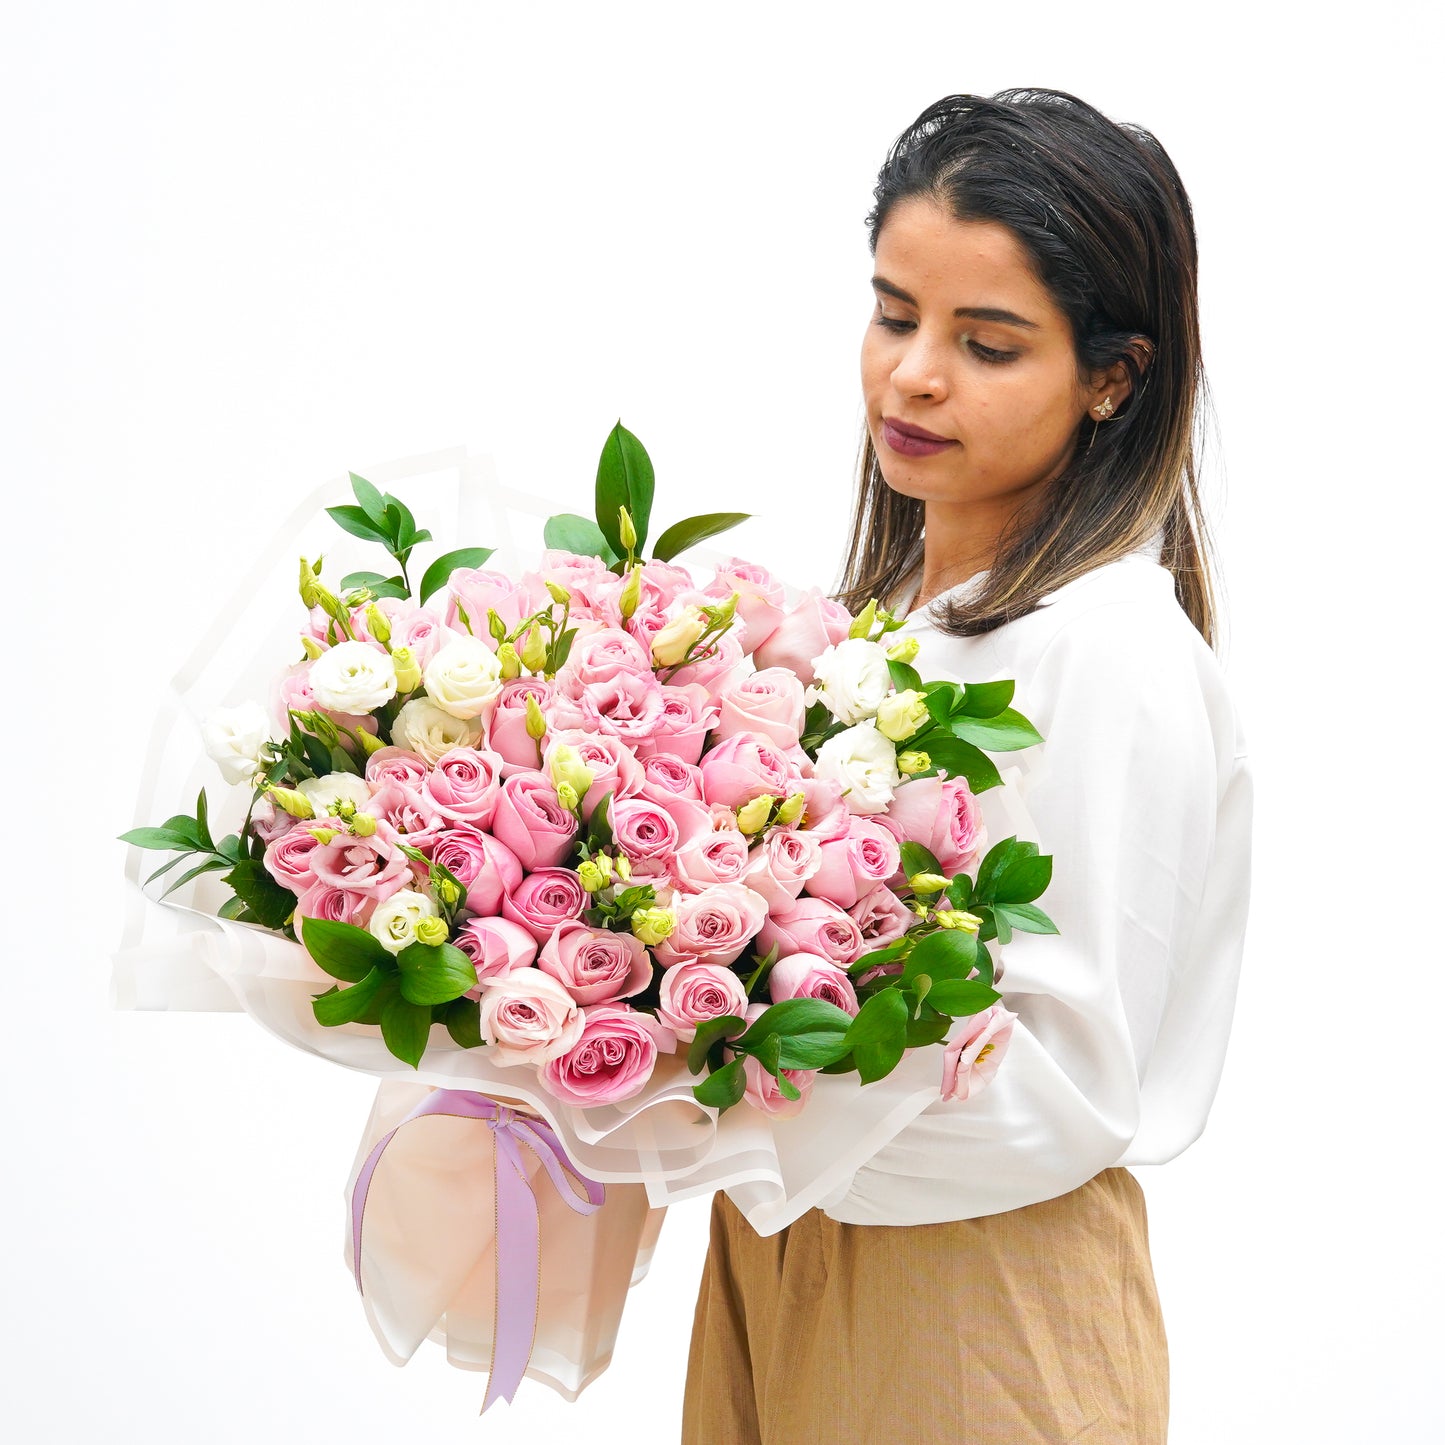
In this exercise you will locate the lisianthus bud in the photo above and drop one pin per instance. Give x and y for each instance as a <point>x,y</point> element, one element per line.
<point>753,816</point>
<point>311,648</point>
<point>675,641</point>
<point>624,867</point>
<point>591,876</point>
<point>902,714</point>
<point>321,725</point>
<point>448,892</point>
<point>565,765</point>
<point>652,925</point>
<point>957,918</point>
<point>309,587</point>
<point>558,593</point>
<point>289,801</point>
<point>370,743</point>
<point>534,650</point>
<point>790,809</point>
<point>511,663</point>
<point>904,650</point>
<point>363,824</point>
<point>536,722</point>
<point>495,626</point>
<point>928,882</point>
<point>377,625</point>
<point>568,797</point>
<point>431,930</point>
<point>721,615</point>
<point>626,530</point>
<point>863,622</point>
<point>631,593</point>
<point>324,835</point>
<point>911,764</point>
<point>921,909</point>
<point>408,672</point>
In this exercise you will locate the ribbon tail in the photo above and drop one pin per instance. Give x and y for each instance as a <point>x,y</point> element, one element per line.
<point>518,1256</point>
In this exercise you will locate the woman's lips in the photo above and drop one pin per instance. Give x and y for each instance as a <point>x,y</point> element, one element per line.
<point>912,442</point>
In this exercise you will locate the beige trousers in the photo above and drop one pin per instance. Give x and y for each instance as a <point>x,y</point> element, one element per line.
<point>1033,1327</point>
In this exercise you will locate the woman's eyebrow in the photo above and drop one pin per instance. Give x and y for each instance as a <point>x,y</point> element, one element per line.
<point>974,313</point>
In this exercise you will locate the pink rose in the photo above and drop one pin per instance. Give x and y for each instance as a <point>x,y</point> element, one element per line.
<point>464,785</point>
<point>289,860</point>
<point>813,925</point>
<point>612,1060</point>
<point>486,868</point>
<point>762,1090</point>
<point>805,975</point>
<point>815,624</point>
<point>649,832</point>
<point>972,1056</point>
<point>422,631</point>
<point>527,1017</point>
<point>531,822</point>
<point>761,602</point>
<point>692,992</point>
<point>881,916</point>
<point>768,703</point>
<point>688,715</point>
<point>661,584</point>
<point>825,814</point>
<point>545,900</point>
<point>667,774</point>
<point>743,766</point>
<point>601,658</point>
<point>586,578</point>
<point>710,858</point>
<point>713,926</point>
<point>782,865</point>
<point>615,769</point>
<point>595,964</point>
<point>409,811</point>
<point>335,905</point>
<point>943,815</point>
<point>395,765</point>
<point>850,866</point>
<point>370,866</point>
<point>507,732</point>
<point>478,590</point>
<point>497,947</point>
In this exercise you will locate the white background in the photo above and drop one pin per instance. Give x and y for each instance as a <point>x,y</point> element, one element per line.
<point>246,248</point>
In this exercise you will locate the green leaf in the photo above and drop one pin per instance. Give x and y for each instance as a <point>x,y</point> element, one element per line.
<point>624,479</point>
<point>723,1087</point>
<point>917,859</point>
<point>1023,881</point>
<point>810,1050</point>
<point>878,956</point>
<point>435,576</point>
<point>984,699</point>
<point>692,530</point>
<point>845,1065</point>
<point>434,973</point>
<point>941,699</point>
<point>960,996</point>
<point>905,678</point>
<point>159,838</point>
<point>769,1054</point>
<point>264,896</point>
<point>368,496</point>
<point>562,650</point>
<point>881,1037</point>
<point>232,908</point>
<point>960,890</point>
<point>463,1022</point>
<point>568,532</point>
<point>211,865</point>
<point>994,862</point>
<point>599,825</point>
<point>406,534</point>
<point>709,1031</point>
<point>347,1005</point>
<point>1026,917</point>
<point>946,953</point>
<point>796,1015</point>
<point>355,521</point>
<point>984,964</point>
<point>931,1027</point>
<point>376,584</point>
<point>405,1026</point>
<point>167,866</point>
<point>1002,928</point>
<point>961,759</point>
<point>344,950</point>
<point>788,1089</point>
<point>1005,733</point>
<point>203,825</point>
<point>232,848</point>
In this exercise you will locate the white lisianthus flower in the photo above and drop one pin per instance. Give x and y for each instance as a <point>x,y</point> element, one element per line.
<point>463,677</point>
<point>421,727</point>
<point>394,921</point>
<point>851,679</point>
<point>353,677</point>
<point>326,794</point>
<point>233,739</point>
<point>864,764</point>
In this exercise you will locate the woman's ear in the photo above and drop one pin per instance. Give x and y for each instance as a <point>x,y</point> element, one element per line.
<point>1113,386</point>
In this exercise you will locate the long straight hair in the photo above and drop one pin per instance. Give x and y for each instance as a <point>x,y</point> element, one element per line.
<point>1101,211</point>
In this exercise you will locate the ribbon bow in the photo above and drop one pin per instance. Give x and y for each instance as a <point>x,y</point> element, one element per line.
<point>517,1249</point>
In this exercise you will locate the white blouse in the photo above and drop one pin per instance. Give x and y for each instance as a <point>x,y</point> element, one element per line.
<point>1142,793</point>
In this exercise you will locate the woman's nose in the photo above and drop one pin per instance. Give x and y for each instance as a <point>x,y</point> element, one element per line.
<point>920,371</point>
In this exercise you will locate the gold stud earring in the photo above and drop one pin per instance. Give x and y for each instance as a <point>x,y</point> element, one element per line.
<point>1105,408</point>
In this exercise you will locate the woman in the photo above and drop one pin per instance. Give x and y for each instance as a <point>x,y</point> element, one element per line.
<point>1030,374</point>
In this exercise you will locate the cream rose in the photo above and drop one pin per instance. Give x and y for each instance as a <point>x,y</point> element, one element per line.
<point>864,764</point>
<point>851,679</point>
<point>394,922</point>
<point>353,677</point>
<point>421,727</point>
<point>233,738</point>
<point>463,678</point>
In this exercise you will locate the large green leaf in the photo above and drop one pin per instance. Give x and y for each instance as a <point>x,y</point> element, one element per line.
<point>984,699</point>
<point>624,479</point>
<point>435,576</point>
<point>960,996</point>
<point>904,677</point>
<point>709,1031</point>
<point>264,896</point>
<point>344,950</point>
<point>462,1017</point>
<point>692,530</point>
<point>881,1036</point>
<point>434,973</point>
<point>165,838</point>
<point>568,532</point>
<point>723,1087</point>
<point>406,1026</point>
<point>947,953</point>
<point>1026,917</point>
<point>354,520</point>
<point>810,1050</point>
<point>962,759</point>
<point>1024,880</point>
<point>915,858</point>
<point>372,502</point>
<point>796,1015</point>
<point>1004,733</point>
<point>347,1005</point>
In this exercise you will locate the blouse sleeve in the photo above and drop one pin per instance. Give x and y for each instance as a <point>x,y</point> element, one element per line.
<point>1139,768</point>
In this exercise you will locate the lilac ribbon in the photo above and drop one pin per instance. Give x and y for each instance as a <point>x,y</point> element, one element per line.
<point>517,1244</point>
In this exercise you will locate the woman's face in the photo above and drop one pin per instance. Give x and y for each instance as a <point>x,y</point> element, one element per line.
<point>965,345</point>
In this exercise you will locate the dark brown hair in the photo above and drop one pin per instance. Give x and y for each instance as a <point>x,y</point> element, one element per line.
<point>1100,209</point>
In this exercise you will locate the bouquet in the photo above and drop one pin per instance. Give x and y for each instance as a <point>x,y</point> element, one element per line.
<point>604,812</point>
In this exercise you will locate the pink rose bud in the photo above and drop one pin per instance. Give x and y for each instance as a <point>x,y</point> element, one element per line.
<point>395,765</point>
<point>611,1061</point>
<point>408,810</point>
<point>497,947</point>
<point>289,859</point>
<point>814,625</point>
<point>335,905</point>
<point>595,964</point>
<point>545,900</point>
<point>613,765</point>
<point>761,603</point>
<point>694,992</point>
<point>531,821</point>
<point>781,867</point>
<point>881,916</point>
<point>944,816</point>
<point>486,868</point>
<point>805,975</point>
<point>465,784</point>
<point>667,774</point>
<point>768,703</point>
<point>850,866</point>
<point>741,767</point>
<point>507,733</point>
<point>812,925</point>
<point>972,1056</point>
<point>713,926</point>
<point>688,715</point>
<point>711,858</point>
<point>527,1017</point>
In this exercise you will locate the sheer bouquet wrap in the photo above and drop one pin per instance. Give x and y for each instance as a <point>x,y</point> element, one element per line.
<point>628,885</point>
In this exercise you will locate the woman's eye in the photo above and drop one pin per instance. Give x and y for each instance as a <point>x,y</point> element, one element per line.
<point>890,323</point>
<point>989,354</point>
